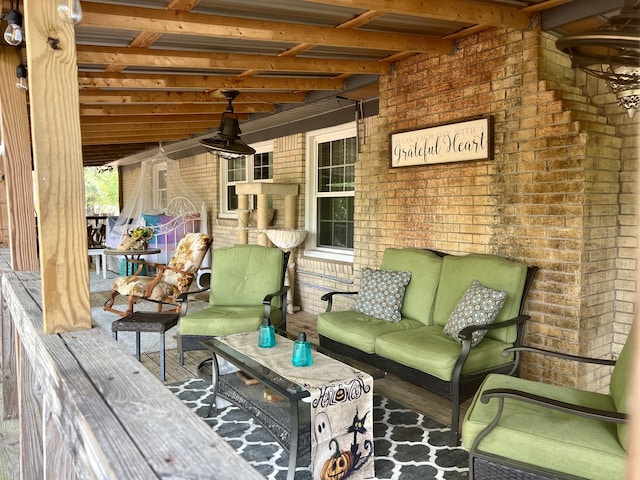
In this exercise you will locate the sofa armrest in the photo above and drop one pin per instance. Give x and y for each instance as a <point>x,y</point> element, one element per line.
<point>565,356</point>
<point>328,297</point>
<point>465,333</point>
<point>593,413</point>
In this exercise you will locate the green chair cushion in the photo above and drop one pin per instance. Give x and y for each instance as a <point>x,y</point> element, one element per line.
<point>358,330</point>
<point>547,438</point>
<point>225,320</point>
<point>493,272</point>
<point>243,274</point>
<point>429,350</point>
<point>420,293</point>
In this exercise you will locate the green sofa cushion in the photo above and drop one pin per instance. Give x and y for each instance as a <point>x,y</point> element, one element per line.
<point>243,275</point>
<point>491,271</point>
<point>425,274</point>
<point>547,438</point>
<point>358,330</point>
<point>225,320</point>
<point>619,387</point>
<point>429,350</point>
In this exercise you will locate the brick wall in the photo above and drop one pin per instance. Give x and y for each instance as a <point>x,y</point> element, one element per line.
<point>559,193</point>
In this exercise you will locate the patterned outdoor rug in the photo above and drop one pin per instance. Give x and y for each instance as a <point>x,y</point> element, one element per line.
<point>407,446</point>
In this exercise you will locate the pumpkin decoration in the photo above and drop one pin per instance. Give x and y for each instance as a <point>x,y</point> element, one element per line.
<point>338,466</point>
<point>340,395</point>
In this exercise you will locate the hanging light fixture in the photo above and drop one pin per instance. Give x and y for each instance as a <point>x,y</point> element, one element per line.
<point>70,10</point>
<point>227,140</point>
<point>612,53</point>
<point>21,75</point>
<point>13,34</point>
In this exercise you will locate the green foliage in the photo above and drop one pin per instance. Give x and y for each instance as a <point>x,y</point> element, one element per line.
<point>101,191</point>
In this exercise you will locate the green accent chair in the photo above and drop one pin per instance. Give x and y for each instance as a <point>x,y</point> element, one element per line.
<point>247,286</point>
<point>518,428</point>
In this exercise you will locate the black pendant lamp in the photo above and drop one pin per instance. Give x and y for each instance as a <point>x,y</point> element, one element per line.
<point>227,140</point>
<point>611,52</point>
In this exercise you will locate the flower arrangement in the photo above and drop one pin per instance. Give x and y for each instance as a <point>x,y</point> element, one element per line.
<point>141,233</point>
<point>137,239</point>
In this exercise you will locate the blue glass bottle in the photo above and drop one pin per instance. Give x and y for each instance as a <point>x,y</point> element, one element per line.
<point>267,335</point>
<point>301,352</point>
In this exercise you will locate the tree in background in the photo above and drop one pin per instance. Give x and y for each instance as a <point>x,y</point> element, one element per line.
<point>101,191</point>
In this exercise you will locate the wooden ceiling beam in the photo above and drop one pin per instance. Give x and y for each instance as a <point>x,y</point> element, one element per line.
<point>204,82</point>
<point>158,130</point>
<point>167,109</point>
<point>174,22</point>
<point>141,126</point>
<point>137,96</point>
<point>143,57</point>
<point>129,119</point>
<point>121,139</point>
<point>461,11</point>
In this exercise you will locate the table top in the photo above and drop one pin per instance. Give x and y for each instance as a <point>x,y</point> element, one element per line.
<point>294,383</point>
<point>115,251</point>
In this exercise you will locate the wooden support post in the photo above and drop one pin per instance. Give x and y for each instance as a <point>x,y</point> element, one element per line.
<point>18,220</point>
<point>59,174</point>
<point>263,219</point>
<point>243,219</point>
<point>290,211</point>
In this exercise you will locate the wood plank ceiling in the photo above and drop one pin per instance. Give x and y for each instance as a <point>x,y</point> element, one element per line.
<point>152,71</point>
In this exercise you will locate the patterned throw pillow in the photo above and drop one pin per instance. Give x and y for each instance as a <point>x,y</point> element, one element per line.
<point>381,293</point>
<point>478,306</point>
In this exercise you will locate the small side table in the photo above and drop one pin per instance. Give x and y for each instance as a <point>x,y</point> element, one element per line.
<point>147,322</point>
<point>131,254</point>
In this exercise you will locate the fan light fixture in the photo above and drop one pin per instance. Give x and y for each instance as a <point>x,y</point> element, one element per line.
<point>612,53</point>
<point>227,140</point>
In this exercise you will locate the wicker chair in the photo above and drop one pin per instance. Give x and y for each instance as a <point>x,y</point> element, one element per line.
<point>522,430</point>
<point>170,283</point>
<point>247,286</point>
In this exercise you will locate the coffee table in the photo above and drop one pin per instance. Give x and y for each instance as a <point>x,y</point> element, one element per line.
<point>288,420</point>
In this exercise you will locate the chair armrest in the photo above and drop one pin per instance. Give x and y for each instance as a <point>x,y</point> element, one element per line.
<point>582,411</point>
<point>465,333</point>
<point>565,356</point>
<point>328,297</point>
<point>267,300</point>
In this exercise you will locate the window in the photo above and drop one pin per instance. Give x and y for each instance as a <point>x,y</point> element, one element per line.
<point>255,168</point>
<point>331,158</point>
<point>160,197</point>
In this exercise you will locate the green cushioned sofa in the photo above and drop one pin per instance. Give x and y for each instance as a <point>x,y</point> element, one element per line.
<point>415,348</point>
<point>521,429</point>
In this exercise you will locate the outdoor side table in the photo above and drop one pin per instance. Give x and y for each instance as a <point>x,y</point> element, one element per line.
<point>147,322</point>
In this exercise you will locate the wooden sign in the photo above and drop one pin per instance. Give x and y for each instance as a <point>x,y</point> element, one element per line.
<point>454,142</point>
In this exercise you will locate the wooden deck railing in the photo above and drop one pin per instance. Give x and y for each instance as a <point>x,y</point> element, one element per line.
<point>88,410</point>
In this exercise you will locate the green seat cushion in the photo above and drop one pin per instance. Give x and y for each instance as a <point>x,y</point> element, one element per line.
<point>420,293</point>
<point>429,350</point>
<point>358,330</point>
<point>547,438</point>
<point>493,272</point>
<point>225,320</point>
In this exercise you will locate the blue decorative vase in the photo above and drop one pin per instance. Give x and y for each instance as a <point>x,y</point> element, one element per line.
<point>267,335</point>
<point>301,352</point>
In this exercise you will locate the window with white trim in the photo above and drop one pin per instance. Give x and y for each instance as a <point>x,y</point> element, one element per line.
<point>254,168</point>
<point>160,191</point>
<point>331,159</point>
